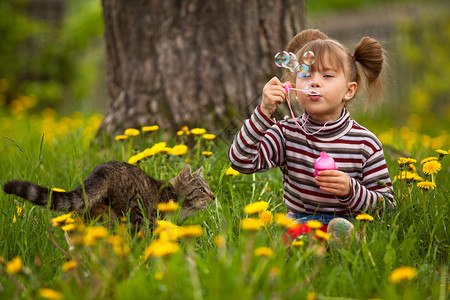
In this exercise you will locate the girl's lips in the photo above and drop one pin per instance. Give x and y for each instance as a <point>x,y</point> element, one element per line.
<point>314,97</point>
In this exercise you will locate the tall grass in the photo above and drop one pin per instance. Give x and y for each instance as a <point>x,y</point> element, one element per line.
<point>222,262</point>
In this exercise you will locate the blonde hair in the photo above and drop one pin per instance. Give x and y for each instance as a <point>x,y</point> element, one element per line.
<point>368,53</point>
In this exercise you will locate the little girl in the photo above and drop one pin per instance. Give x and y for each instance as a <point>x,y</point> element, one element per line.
<point>262,143</point>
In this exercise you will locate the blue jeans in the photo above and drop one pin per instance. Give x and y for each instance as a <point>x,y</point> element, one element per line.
<point>322,218</point>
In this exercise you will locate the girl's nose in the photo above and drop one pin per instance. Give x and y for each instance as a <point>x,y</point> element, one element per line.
<point>314,81</point>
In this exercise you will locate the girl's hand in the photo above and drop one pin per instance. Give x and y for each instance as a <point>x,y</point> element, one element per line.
<point>273,94</point>
<point>334,182</point>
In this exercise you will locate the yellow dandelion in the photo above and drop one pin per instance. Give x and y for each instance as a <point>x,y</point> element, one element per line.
<point>321,235</point>
<point>256,207</point>
<point>58,190</point>
<point>406,161</point>
<point>135,158</point>
<point>72,264</point>
<point>231,172</point>
<point>418,178</point>
<point>60,220</point>
<point>274,272</point>
<point>93,234</point>
<point>185,129</point>
<point>160,248</point>
<point>283,220</point>
<point>311,296</point>
<point>207,153</point>
<point>121,249</point>
<point>163,225</point>
<point>159,275</point>
<point>50,294</point>
<point>266,218</point>
<point>19,210</point>
<point>428,159</point>
<point>441,152</point>
<point>68,227</point>
<point>426,185</point>
<point>15,265</point>
<point>141,234</point>
<point>180,132</point>
<point>179,149</point>
<point>166,231</point>
<point>402,274</point>
<point>131,132</point>
<point>150,128</point>
<point>263,252</point>
<point>219,241</point>
<point>406,175</point>
<point>167,150</point>
<point>314,224</point>
<point>158,147</point>
<point>431,167</point>
<point>250,224</point>
<point>209,136</point>
<point>168,207</point>
<point>198,131</point>
<point>297,243</point>
<point>121,137</point>
<point>364,217</point>
<point>190,231</point>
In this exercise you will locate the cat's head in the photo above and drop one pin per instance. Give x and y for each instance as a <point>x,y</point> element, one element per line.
<point>193,191</point>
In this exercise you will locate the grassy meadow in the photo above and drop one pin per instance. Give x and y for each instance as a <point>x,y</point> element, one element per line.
<point>234,249</point>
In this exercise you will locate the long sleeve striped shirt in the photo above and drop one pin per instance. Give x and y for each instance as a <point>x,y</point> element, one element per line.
<point>262,144</point>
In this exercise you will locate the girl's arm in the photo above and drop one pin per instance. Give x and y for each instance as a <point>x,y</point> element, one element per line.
<point>258,146</point>
<point>374,188</point>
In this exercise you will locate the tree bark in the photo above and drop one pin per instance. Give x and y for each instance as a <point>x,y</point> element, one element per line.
<point>195,63</point>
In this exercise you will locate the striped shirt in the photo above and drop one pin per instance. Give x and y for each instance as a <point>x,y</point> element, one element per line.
<point>262,144</point>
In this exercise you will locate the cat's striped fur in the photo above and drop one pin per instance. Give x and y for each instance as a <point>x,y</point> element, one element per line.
<point>117,188</point>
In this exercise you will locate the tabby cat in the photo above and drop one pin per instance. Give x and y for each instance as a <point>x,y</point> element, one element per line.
<point>115,188</point>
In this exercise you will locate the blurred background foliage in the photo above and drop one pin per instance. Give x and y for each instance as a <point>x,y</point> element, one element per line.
<point>58,62</point>
<point>51,60</point>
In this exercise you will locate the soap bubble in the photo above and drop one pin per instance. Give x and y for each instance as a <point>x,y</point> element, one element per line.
<point>303,71</point>
<point>307,85</point>
<point>309,58</point>
<point>281,58</point>
<point>293,66</point>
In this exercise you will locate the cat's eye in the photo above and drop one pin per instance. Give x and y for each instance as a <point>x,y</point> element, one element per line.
<point>202,189</point>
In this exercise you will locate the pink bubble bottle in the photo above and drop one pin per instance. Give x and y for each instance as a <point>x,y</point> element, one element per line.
<point>324,162</point>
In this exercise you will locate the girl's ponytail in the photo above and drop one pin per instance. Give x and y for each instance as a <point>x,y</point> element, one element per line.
<point>370,55</point>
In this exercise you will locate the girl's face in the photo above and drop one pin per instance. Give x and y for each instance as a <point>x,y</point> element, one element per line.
<point>334,89</point>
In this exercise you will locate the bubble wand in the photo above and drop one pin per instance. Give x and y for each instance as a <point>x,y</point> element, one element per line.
<point>289,61</point>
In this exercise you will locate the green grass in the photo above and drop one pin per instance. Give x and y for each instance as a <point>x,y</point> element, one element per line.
<point>415,235</point>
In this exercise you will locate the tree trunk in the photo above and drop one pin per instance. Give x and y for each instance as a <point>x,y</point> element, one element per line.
<point>195,63</point>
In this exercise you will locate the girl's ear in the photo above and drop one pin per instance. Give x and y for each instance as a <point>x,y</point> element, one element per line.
<point>351,90</point>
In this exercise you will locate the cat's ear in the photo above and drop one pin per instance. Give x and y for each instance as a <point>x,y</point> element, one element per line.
<point>185,172</point>
<point>199,172</point>
<point>181,177</point>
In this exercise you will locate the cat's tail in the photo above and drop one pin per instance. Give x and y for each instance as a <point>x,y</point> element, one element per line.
<point>39,195</point>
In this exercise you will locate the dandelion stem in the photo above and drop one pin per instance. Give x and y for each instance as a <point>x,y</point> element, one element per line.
<point>57,246</point>
<point>130,146</point>
<point>193,271</point>
<point>13,279</point>
<point>269,235</point>
<point>248,253</point>
<point>199,140</point>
